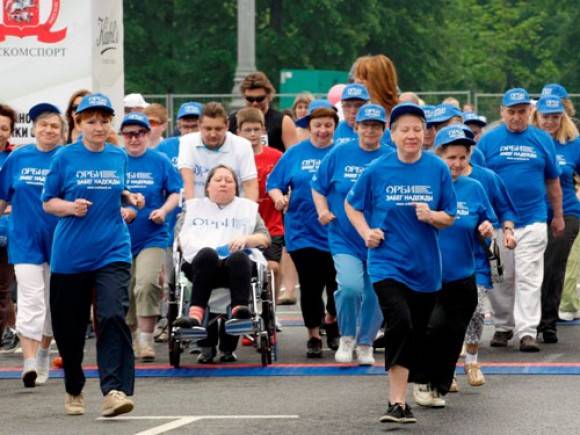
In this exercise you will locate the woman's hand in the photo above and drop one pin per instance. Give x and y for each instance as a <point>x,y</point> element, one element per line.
<point>325,217</point>
<point>238,244</point>
<point>423,212</point>
<point>80,207</point>
<point>128,214</point>
<point>485,229</point>
<point>509,238</point>
<point>136,200</point>
<point>281,203</point>
<point>158,216</point>
<point>374,237</point>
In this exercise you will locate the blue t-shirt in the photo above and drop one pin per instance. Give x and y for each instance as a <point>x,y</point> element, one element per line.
<point>477,157</point>
<point>21,181</point>
<point>459,241</point>
<point>3,219</point>
<point>344,133</point>
<point>335,177</point>
<point>170,148</point>
<point>504,210</point>
<point>152,175</point>
<point>294,172</point>
<point>568,157</point>
<point>523,161</point>
<point>384,192</point>
<point>101,237</point>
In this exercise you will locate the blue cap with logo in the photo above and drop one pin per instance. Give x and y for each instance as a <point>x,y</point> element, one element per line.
<point>314,105</point>
<point>191,108</point>
<point>96,101</point>
<point>474,118</point>
<point>515,96</point>
<point>428,110</point>
<point>555,89</point>
<point>355,91</point>
<point>406,109</point>
<point>550,104</point>
<point>444,112</point>
<point>136,118</point>
<point>40,108</point>
<point>371,112</point>
<point>455,134</point>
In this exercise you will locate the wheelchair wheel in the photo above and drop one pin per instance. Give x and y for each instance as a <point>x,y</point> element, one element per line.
<point>174,352</point>
<point>265,351</point>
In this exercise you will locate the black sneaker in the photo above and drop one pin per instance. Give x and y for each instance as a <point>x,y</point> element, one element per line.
<point>397,414</point>
<point>380,342</point>
<point>529,344</point>
<point>241,312</point>
<point>228,357</point>
<point>314,348</point>
<point>332,335</point>
<point>186,322</point>
<point>550,337</point>
<point>10,340</point>
<point>501,338</point>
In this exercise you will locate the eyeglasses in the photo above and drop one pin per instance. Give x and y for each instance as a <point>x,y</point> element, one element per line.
<point>133,134</point>
<point>257,99</point>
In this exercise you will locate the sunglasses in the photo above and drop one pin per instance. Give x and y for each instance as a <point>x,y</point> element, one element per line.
<point>257,99</point>
<point>133,134</point>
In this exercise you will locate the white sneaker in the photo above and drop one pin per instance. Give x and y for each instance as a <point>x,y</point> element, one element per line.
<point>424,396</point>
<point>364,355</point>
<point>566,315</point>
<point>345,349</point>
<point>42,367</point>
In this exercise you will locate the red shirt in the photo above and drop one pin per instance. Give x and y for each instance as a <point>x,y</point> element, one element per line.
<point>265,162</point>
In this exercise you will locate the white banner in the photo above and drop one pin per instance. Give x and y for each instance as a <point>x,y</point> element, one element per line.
<point>51,48</point>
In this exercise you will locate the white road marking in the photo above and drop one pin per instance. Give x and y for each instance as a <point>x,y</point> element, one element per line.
<point>182,420</point>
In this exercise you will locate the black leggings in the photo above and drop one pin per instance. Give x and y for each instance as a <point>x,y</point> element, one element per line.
<point>315,273</point>
<point>454,307</point>
<point>206,272</point>
<point>406,313</point>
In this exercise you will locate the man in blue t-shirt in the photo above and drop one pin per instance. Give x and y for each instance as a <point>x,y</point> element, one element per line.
<point>524,157</point>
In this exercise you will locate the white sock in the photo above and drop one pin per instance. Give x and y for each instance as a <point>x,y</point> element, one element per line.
<point>146,338</point>
<point>42,353</point>
<point>29,364</point>
<point>470,358</point>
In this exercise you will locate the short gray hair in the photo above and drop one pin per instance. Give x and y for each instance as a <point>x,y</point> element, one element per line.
<point>62,120</point>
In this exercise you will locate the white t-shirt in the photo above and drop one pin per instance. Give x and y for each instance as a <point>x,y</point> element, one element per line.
<point>236,152</point>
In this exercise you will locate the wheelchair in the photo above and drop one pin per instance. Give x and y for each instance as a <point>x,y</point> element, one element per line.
<point>261,326</point>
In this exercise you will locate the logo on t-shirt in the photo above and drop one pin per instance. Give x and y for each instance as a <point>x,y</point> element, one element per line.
<point>462,209</point>
<point>352,172</point>
<point>33,176</point>
<point>139,180</point>
<point>310,165</point>
<point>561,159</point>
<point>518,152</point>
<point>97,179</point>
<point>403,194</point>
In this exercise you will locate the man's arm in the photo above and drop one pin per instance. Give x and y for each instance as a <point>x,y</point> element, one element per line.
<point>250,189</point>
<point>188,183</point>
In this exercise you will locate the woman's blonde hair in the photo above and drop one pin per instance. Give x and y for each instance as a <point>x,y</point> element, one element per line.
<point>379,75</point>
<point>567,130</point>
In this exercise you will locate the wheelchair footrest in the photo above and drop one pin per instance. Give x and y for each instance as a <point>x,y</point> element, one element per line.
<point>193,334</point>
<point>240,327</point>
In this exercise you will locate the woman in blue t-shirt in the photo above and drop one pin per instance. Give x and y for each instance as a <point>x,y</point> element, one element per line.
<point>151,174</point>
<point>358,313</point>
<point>306,238</point>
<point>91,258</point>
<point>456,301</point>
<point>550,116</point>
<point>21,181</point>
<point>397,206</point>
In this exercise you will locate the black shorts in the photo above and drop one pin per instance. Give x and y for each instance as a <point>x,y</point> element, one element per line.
<point>274,251</point>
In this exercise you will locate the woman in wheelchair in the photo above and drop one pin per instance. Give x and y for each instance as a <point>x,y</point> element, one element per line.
<point>218,239</point>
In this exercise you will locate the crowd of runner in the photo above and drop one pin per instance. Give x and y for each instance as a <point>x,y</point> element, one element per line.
<point>398,224</point>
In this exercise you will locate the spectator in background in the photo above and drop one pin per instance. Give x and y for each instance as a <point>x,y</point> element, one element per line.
<point>468,108</point>
<point>134,103</point>
<point>299,110</point>
<point>157,115</point>
<point>354,95</point>
<point>379,75</point>
<point>73,103</point>
<point>452,101</point>
<point>257,91</point>
<point>409,97</point>
<point>475,123</point>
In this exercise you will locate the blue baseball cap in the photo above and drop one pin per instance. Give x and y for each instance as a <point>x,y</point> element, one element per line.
<point>371,112</point>
<point>467,130</point>
<point>136,118</point>
<point>191,108</point>
<point>355,91</point>
<point>550,104</point>
<point>314,105</point>
<point>406,109</point>
<point>455,134</point>
<point>515,96</point>
<point>428,110</point>
<point>555,89</point>
<point>40,108</point>
<point>444,112</point>
<point>96,101</point>
<point>474,118</point>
